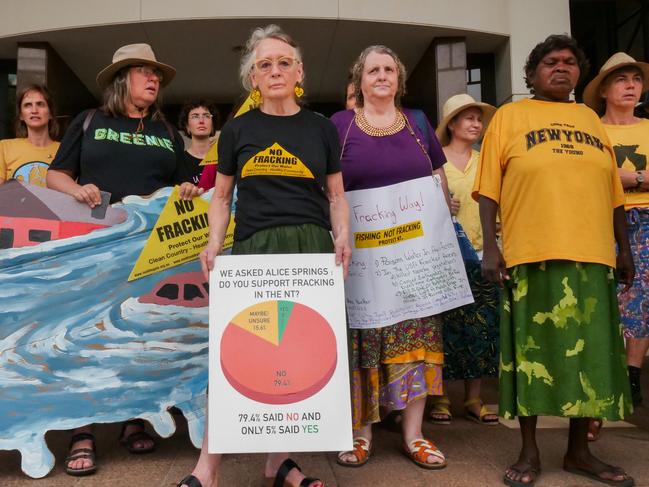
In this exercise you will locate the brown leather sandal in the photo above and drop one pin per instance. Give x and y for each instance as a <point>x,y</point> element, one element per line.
<point>80,454</point>
<point>130,440</point>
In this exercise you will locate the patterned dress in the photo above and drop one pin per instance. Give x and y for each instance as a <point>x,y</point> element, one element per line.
<point>552,171</point>
<point>400,363</point>
<point>471,331</point>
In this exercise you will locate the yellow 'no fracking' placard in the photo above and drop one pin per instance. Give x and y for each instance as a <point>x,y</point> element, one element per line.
<point>178,236</point>
<point>212,155</point>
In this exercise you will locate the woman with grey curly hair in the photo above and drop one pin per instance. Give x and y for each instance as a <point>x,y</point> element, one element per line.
<point>395,365</point>
<point>272,70</point>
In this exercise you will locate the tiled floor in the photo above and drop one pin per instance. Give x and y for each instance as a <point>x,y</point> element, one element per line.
<point>476,457</point>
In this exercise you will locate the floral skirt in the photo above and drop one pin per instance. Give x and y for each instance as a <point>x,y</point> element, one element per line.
<point>393,366</point>
<point>562,351</point>
<point>634,304</point>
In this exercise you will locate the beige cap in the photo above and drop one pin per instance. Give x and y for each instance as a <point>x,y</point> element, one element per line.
<point>455,105</point>
<point>592,96</point>
<point>131,55</point>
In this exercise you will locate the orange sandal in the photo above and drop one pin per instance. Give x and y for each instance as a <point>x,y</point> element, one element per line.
<point>362,451</point>
<point>420,449</point>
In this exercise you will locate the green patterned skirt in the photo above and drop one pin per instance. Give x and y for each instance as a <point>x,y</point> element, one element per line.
<point>562,352</point>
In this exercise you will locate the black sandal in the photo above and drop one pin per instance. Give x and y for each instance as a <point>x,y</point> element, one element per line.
<point>130,440</point>
<point>81,453</point>
<point>190,481</point>
<point>283,471</point>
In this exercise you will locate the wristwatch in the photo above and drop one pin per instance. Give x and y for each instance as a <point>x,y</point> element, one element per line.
<point>639,179</point>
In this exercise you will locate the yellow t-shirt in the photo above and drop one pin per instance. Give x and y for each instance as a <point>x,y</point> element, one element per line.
<point>631,148</point>
<point>21,160</point>
<point>551,169</point>
<point>460,183</point>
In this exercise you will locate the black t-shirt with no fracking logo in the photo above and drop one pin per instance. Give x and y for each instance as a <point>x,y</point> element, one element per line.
<point>280,164</point>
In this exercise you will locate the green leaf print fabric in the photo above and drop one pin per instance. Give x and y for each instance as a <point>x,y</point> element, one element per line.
<point>562,352</point>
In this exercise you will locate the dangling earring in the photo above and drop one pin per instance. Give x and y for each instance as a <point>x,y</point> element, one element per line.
<point>299,91</point>
<point>255,96</point>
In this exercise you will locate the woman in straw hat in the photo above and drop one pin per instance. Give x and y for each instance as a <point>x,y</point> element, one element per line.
<point>614,93</point>
<point>272,70</point>
<point>395,366</point>
<point>125,148</point>
<point>543,161</point>
<point>471,331</point>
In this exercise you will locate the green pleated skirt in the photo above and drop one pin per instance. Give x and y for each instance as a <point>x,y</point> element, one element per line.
<point>562,351</point>
<point>290,239</point>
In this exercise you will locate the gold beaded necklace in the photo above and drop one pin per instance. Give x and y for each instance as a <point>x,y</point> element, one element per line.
<point>395,127</point>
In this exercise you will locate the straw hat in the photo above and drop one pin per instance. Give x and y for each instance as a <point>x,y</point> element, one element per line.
<point>131,55</point>
<point>455,105</point>
<point>592,95</point>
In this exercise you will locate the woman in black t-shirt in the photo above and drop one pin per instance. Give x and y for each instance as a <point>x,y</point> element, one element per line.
<point>284,160</point>
<point>124,148</point>
<point>198,119</point>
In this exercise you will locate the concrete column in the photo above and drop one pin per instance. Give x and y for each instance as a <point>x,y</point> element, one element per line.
<point>40,63</point>
<point>530,22</point>
<point>440,74</point>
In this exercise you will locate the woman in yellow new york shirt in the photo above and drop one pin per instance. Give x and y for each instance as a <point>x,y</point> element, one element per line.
<point>548,168</point>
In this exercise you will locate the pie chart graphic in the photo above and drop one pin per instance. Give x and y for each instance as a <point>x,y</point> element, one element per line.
<point>278,352</point>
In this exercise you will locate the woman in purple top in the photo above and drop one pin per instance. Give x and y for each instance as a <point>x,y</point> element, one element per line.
<point>394,367</point>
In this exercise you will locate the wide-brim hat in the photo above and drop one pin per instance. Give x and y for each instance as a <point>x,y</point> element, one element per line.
<point>593,97</point>
<point>131,55</point>
<point>457,104</point>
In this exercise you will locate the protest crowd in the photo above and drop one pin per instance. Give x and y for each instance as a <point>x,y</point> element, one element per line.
<point>553,227</point>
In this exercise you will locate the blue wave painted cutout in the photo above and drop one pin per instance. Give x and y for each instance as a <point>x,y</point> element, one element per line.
<point>77,347</point>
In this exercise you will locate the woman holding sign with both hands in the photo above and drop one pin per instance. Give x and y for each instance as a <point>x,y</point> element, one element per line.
<point>280,209</point>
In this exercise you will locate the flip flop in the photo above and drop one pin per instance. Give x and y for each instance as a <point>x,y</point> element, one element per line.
<point>362,451</point>
<point>627,482</point>
<point>533,471</point>
<point>418,450</point>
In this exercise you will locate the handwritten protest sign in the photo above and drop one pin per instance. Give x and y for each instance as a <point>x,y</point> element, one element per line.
<point>278,355</point>
<point>406,262</point>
